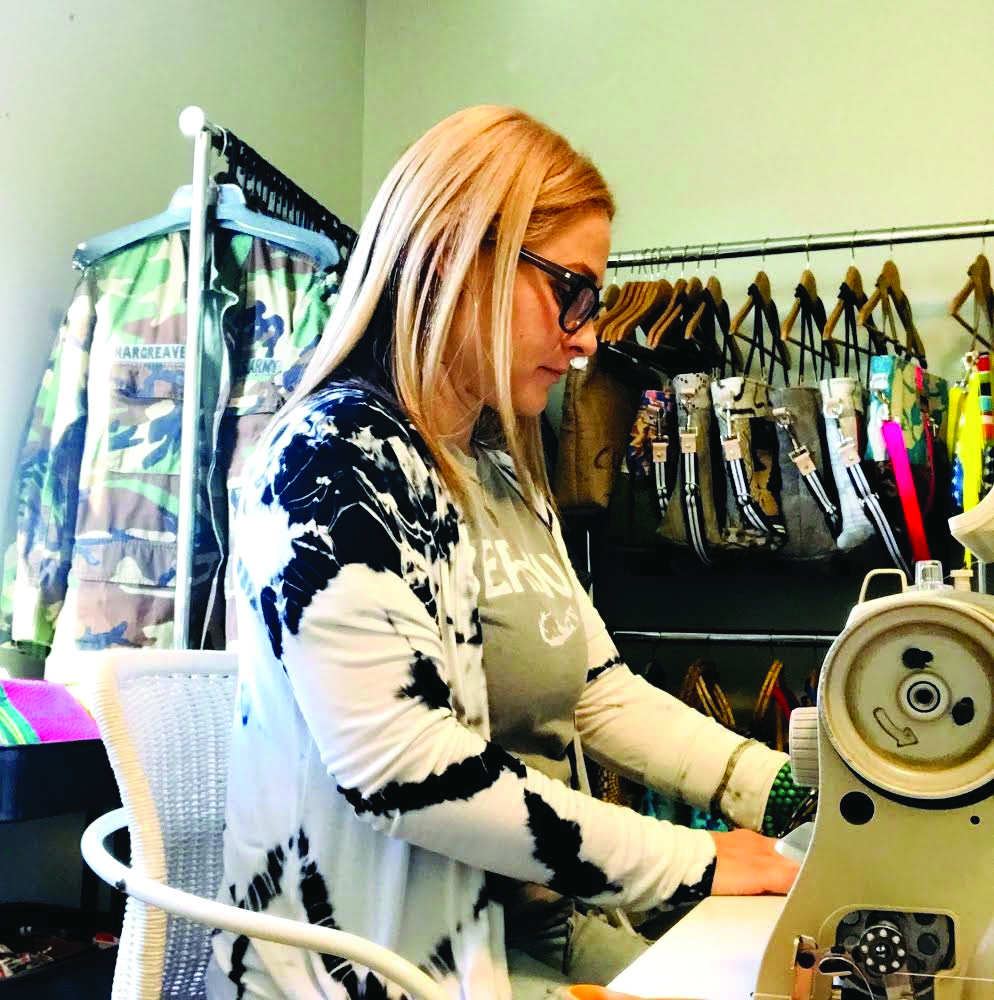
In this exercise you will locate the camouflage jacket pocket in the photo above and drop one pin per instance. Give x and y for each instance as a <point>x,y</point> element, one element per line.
<point>145,419</point>
<point>130,562</point>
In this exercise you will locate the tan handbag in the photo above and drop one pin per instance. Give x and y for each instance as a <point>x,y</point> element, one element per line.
<point>599,409</point>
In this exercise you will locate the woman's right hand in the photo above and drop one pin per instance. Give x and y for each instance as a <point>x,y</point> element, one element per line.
<point>748,865</point>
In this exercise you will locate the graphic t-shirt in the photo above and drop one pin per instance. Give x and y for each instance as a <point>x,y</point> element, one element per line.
<point>534,650</point>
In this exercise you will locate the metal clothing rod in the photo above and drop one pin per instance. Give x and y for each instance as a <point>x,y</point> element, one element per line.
<point>720,250</point>
<point>792,639</point>
<point>194,125</point>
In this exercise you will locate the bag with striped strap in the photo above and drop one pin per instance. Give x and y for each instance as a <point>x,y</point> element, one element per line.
<point>750,451</point>
<point>810,501</point>
<point>694,520</point>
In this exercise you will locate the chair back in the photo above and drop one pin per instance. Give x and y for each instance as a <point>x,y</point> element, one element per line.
<point>166,720</point>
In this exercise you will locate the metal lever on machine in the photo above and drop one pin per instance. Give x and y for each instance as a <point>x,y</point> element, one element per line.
<point>804,967</point>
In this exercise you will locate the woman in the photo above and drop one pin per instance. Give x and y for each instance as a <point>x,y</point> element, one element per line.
<point>416,653</point>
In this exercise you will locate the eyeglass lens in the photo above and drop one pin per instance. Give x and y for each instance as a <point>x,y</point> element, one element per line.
<point>580,308</point>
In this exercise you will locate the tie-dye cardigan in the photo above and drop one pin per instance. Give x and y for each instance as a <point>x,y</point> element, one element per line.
<point>363,791</point>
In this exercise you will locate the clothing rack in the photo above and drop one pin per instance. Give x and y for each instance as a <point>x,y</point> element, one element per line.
<point>194,125</point>
<point>269,190</point>
<point>713,250</point>
<point>754,638</point>
<point>273,191</point>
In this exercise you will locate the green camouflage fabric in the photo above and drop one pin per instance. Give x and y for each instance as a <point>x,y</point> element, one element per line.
<point>94,561</point>
<point>894,395</point>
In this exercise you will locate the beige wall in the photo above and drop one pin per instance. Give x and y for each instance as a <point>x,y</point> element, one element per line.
<point>720,120</point>
<point>89,95</point>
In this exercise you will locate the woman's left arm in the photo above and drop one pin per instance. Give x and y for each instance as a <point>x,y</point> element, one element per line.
<point>647,735</point>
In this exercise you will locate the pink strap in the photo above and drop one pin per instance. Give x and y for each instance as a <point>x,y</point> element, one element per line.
<point>894,439</point>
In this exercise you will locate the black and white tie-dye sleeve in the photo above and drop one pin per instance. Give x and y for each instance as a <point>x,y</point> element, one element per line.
<point>345,573</point>
<point>646,734</point>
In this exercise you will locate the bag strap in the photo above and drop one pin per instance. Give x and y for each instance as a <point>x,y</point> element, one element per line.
<point>928,429</point>
<point>693,504</point>
<point>801,457</point>
<point>868,499</point>
<point>898,454</point>
<point>731,448</point>
<point>659,446</point>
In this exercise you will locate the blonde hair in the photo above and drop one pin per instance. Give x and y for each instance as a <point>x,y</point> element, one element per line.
<point>485,175</point>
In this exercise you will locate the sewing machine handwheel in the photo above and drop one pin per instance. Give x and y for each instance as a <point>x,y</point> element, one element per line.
<point>874,705</point>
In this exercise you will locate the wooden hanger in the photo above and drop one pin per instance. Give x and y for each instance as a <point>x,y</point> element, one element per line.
<point>620,302</point>
<point>979,286</point>
<point>761,303</point>
<point>762,283</point>
<point>711,299</point>
<point>705,314</point>
<point>654,335</point>
<point>807,303</point>
<point>673,323</point>
<point>854,281</point>
<point>648,301</point>
<point>610,296</point>
<point>852,295</point>
<point>650,307</point>
<point>809,284</point>
<point>631,294</point>
<point>888,291</point>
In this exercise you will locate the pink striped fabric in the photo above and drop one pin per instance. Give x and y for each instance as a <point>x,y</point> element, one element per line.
<point>54,714</point>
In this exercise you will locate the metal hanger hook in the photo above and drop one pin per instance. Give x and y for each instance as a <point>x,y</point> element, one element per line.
<point>807,250</point>
<point>700,255</point>
<point>717,247</point>
<point>852,246</point>
<point>892,230</point>
<point>683,263</point>
<point>765,241</point>
<point>983,235</point>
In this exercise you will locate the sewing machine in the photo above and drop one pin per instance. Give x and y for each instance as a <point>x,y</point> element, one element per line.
<point>893,899</point>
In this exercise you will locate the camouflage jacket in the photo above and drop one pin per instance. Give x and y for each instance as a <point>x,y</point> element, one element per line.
<point>97,491</point>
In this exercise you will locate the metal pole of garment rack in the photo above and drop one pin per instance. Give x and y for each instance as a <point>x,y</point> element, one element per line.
<point>194,125</point>
<point>755,638</point>
<point>712,250</point>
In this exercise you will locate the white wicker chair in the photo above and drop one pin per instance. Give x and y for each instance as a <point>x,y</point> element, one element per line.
<point>166,718</point>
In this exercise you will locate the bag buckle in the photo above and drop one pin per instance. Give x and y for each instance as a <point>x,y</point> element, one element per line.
<point>849,451</point>
<point>834,407</point>
<point>782,416</point>
<point>801,457</point>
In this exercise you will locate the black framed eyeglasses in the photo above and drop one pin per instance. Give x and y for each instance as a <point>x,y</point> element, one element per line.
<point>579,298</point>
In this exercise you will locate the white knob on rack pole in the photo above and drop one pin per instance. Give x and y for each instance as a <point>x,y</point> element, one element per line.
<point>803,742</point>
<point>191,121</point>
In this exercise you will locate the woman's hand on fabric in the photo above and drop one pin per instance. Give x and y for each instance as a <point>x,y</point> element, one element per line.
<point>749,865</point>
